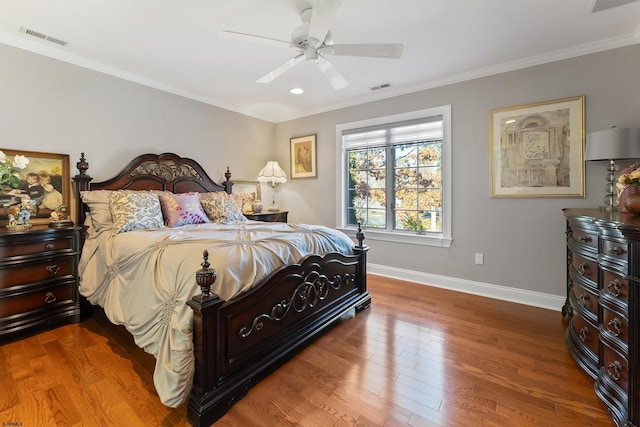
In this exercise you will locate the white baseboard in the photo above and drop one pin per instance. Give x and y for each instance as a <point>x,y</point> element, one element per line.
<point>520,296</point>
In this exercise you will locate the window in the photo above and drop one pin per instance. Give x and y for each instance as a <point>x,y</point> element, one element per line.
<point>396,177</point>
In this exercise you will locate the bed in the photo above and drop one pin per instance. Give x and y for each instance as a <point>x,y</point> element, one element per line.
<point>212,344</point>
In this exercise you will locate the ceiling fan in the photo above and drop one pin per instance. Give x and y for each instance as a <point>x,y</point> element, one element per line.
<point>313,42</point>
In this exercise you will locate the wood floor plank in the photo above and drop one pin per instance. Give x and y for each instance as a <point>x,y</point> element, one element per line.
<point>420,356</point>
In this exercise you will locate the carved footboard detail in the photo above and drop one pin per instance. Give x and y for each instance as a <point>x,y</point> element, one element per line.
<point>305,296</point>
<point>240,341</point>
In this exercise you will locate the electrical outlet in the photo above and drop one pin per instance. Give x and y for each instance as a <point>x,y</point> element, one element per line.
<point>479,259</point>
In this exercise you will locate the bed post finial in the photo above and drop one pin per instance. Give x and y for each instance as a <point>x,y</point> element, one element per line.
<point>360,235</point>
<point>82,165</point>
<point>205,277</point>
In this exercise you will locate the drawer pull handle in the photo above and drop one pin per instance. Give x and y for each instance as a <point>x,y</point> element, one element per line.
<point>49,246</point>
<point>583,299</point>
<point>582,269</point>
<point>584,239</point>
<point>616,324</point>
<point>614,287</point>
<point>616,251</point>
<point>614,370</point>
<point>53,269</point>
<point>583,334</point>
<point>50,298</point>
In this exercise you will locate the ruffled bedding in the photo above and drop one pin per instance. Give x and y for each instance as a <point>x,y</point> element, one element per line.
<point>143,279</point>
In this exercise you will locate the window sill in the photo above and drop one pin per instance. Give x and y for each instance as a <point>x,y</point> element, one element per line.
<point>414,239</point>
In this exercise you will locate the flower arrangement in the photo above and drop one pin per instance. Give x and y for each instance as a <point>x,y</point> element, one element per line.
<point>629,176</point>
<point>9,170</point>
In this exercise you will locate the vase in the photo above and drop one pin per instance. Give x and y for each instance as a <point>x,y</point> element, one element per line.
<point>630,199</point>
<point>256,206</point>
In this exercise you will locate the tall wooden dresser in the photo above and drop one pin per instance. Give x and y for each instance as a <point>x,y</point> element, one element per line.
<point>603,306</point>
<point>38,279</point>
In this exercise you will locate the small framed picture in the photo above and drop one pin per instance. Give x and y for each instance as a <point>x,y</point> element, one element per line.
<point>303,157</point>
<point>45,181</point>
<point>537,149</point>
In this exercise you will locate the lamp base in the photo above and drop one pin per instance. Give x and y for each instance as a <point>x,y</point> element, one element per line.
<point>273,210</point>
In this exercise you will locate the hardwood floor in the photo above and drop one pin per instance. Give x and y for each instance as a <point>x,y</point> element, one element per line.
<point>419,356</point>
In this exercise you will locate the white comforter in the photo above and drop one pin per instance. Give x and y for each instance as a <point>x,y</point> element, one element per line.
<point>144,278</point>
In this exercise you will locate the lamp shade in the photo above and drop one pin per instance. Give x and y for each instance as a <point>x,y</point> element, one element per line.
<point>272,174</point>
<point>612,144</point>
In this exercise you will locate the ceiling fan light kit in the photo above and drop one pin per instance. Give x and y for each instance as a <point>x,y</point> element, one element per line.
<point>313,41</point>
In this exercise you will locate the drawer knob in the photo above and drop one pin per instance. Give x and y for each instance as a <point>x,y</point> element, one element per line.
<point>50,298</point>
<point>49,246</point>
<point>616,251</point>
<point>614,326</point>
<point>584,239</point>
<point>583,334</point>
<point>582,269</point>
<point>583,299</point>
<point>614,369</point>
<point>53,269</point>
<point>614,287</point>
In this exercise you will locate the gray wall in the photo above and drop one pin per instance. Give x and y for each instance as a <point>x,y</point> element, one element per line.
<point>522,240</point>
<point>53,106</point>
<point>48,105</point>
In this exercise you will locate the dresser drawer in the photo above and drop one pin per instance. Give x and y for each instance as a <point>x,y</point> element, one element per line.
<point>587,334</point>
<point>615,286</point>
<point>615,249</point>
<point>616,367</point>
<point>585,267</point>
<point>24,273</point>
<point>585,298</point>
<point>10,306</point>
<point>615,324</point>
<point>583,236</point>
<point>34,247</point>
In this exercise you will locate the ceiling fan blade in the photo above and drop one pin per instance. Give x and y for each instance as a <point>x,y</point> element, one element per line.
<point>336,79</point>
<point>374,50</point>
<point>272,75</point>
<point>322,15</point>
<point>253,38</point>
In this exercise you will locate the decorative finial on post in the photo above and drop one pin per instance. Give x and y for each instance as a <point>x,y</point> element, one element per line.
<point>82,164</point>
<point>205,277</point>
<point>227,174</point>
<point>360,235</point>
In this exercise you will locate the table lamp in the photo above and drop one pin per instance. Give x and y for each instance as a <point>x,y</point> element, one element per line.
<point>612,144</point>
<point>273,175</point>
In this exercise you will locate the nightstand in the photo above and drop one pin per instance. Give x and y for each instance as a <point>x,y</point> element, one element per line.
<point>38,279</point>
<point>269,216</point>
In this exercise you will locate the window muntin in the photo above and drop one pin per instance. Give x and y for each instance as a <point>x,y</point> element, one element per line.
<point>411,199</point>
<point>430,178</point>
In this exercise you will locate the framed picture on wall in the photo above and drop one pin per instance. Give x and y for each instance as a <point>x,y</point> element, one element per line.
<point>303,157</point>
<point>45,181</point>
<point>536,150</point>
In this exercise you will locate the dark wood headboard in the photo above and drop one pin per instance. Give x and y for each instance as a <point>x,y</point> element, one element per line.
<point>166,171</point>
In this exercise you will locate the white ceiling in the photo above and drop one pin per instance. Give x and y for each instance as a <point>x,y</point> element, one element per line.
<point>174,45</point>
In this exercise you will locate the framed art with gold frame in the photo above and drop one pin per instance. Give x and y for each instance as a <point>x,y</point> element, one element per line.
<point>537,150</point>
<point>50,171</point>
<point>303,157</point>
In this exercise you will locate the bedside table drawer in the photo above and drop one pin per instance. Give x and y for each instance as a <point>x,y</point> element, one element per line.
<point>10,306</point>
<point>36,247</point>
<point>23,273</point>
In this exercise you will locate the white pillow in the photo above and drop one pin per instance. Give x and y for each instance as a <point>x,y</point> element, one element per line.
<point>98,203</point>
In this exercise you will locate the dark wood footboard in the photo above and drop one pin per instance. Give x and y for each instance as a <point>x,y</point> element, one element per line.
<point>240,341</point>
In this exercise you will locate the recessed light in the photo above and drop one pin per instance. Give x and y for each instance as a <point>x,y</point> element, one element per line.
<point>297,91</point>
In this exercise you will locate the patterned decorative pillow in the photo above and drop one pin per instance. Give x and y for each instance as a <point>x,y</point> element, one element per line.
<point>221,207</point>
<point>181,209</point>
<point>134,210</point>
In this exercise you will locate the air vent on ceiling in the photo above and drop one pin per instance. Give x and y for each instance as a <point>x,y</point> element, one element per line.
<point>43,36</point>
<point>382,86</point>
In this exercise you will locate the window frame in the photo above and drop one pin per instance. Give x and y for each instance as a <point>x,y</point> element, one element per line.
<point>441,239</point>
